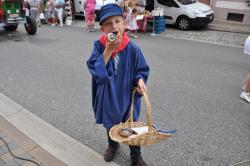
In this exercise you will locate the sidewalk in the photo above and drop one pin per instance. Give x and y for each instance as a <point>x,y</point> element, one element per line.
<point>22,146</point>
<point>229,26</point>
<point>30,137</point>
<point>223,33</point>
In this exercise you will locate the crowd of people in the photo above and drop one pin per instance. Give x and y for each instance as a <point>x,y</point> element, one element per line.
<point>52,11</point>
<point>47,11</point>
<point>130,8</point>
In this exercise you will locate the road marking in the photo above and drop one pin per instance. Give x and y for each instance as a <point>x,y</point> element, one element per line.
<point>62,146</point>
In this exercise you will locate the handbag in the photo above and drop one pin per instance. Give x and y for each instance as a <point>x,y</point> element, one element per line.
<point>41,16</point>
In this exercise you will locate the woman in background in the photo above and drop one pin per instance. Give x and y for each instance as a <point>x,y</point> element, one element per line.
<point>89,11</point>
<point>132,23</point>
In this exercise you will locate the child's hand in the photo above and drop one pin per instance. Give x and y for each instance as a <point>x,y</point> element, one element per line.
<point>141,87</point>
<point>110,47</point>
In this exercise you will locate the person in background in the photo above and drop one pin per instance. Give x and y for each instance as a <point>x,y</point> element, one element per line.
<point>35,10</point>
<point>126,13</point>
<point>89,11</point>
<point>59,7</point>
<point>132,23</point>
<point>51,12</point>
<point>42,11</point>
<point>246,87</point>
<point>116,68</point>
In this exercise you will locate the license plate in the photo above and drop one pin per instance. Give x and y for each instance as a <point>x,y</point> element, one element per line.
<point>13,15</point>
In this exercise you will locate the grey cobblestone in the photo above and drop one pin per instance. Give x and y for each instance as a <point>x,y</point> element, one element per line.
<point>1,162</point>
<point>26,156</point>
<point>11,163</point>
<point>12,146</point>
<point>1,152</point>
<point>2,135</point>
<point>6,139</point>
<point>220,37</point>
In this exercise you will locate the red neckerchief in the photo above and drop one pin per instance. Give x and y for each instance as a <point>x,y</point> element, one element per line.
<point>125,41</point>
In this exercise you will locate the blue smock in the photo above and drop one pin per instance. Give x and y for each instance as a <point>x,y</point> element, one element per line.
<point>112,83</point>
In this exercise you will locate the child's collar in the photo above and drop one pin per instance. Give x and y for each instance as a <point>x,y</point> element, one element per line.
<point>125,41</point>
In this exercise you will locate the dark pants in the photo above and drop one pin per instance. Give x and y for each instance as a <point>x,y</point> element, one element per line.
<point>134,150</point>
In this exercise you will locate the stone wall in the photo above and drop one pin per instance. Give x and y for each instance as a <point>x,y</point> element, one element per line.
<point>231,10</point>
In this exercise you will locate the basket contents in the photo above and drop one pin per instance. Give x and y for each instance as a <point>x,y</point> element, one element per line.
<point>164,131</point>
<point>126,132</point>
<point>140,130</point>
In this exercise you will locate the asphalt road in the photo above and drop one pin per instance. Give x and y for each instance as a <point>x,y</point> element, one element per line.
<point>194,87</point>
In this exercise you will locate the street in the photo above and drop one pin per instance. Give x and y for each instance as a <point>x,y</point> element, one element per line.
<point>193,87</point>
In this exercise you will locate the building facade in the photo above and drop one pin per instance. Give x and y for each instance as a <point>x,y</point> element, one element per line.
<point>230,10</point>
<point>205,1</point>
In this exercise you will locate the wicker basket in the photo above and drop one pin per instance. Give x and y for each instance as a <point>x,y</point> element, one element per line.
<point>147,138</point>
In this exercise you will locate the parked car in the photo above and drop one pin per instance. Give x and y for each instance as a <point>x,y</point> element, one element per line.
<point>185,13</point>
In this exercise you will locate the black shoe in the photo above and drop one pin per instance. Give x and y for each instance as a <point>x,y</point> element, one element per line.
<point>110,152</point>
<point>138,161</point>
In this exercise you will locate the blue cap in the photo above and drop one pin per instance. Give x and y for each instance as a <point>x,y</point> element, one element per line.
<point>110,10</point>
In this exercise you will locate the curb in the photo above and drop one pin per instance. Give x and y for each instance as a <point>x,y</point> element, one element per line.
<point>54,141</point>
<point>215,28</point>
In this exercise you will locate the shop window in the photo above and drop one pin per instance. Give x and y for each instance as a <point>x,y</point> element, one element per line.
<point>235,17</point>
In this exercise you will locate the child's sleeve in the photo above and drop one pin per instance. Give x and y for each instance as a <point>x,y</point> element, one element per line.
<point>96,65</point>
<point>141,67</point>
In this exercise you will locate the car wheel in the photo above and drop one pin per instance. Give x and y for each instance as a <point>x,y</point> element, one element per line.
<point>30,25</point>
<point>10,28</point>
<point>184,23</point>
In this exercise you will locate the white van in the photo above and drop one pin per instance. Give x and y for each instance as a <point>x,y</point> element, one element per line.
<point>79,6</point>
<point>185,13</point>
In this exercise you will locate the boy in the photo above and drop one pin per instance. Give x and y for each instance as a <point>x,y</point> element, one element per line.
<point>116,67</point>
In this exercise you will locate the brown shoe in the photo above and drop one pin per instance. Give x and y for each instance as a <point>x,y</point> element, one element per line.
<point>138,161</point>
<point>110,152</point>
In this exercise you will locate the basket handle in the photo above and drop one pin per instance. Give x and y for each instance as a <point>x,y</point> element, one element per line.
<point>148,108</point>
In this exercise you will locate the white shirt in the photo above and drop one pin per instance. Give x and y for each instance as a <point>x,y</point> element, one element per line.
<point>247,46</point>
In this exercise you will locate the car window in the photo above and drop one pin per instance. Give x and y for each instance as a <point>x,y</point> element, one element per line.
<point>186,2</point>
<point>170,3</point>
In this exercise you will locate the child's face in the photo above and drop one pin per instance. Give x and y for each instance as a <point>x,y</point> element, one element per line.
<point>113,24</point>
